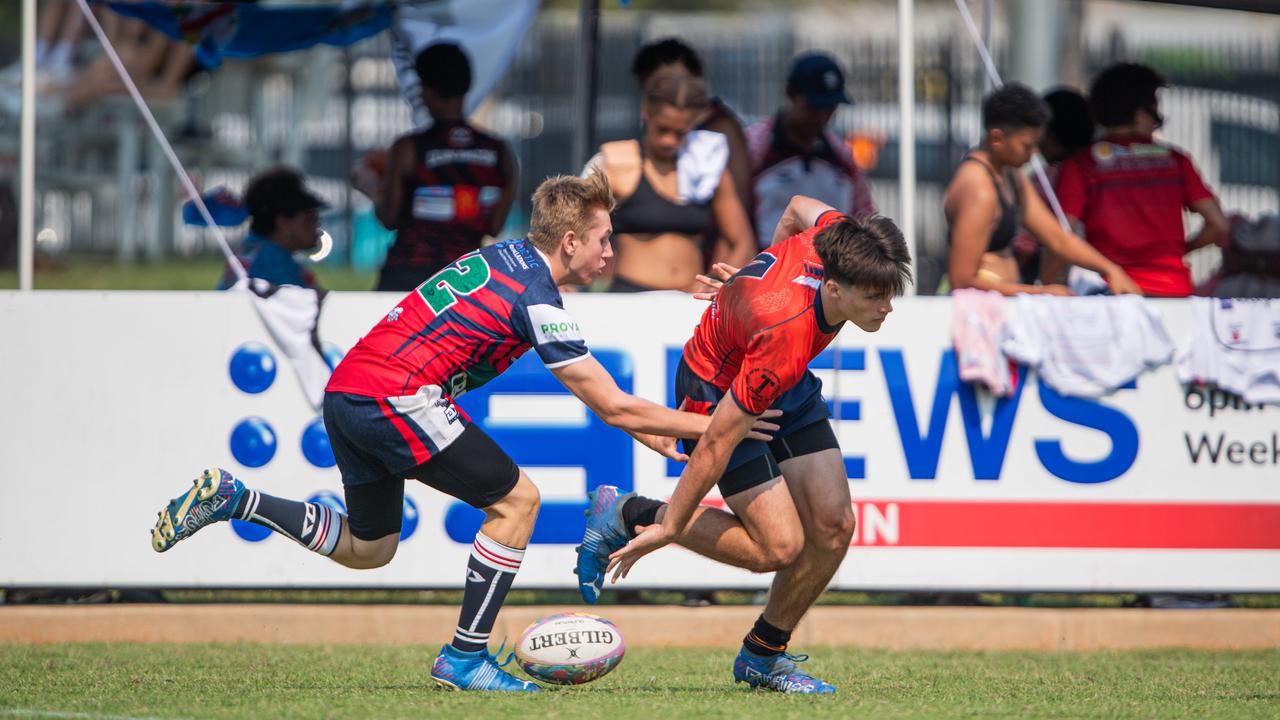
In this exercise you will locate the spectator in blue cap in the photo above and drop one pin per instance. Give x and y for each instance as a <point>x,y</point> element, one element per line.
<point>793,152</point>
<point>284,219</point>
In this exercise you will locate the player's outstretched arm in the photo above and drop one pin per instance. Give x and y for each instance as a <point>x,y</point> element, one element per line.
<point>594,386</point>
<point>729,425</point>
<point>801,214</point>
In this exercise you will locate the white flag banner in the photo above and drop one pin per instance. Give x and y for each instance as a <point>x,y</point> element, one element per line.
<point>488,30</point>
<point>291,315</point>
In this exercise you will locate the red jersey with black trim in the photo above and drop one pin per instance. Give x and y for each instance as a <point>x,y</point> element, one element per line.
<point>766,324</point>
<point>1130,194</point>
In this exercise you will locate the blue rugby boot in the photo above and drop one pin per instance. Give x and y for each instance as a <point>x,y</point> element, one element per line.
<point>477,670</point>
<point>212,498</point>
<point>606,533</point>
<point>778,672</point>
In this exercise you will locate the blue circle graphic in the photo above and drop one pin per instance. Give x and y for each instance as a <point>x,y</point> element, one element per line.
<point>253,367</point>
<point>315,445</point>
<point>253,442</point>
<point>329,499</point>
<point>332,354</point>
<point>409,523</point>
<point>250,532</point>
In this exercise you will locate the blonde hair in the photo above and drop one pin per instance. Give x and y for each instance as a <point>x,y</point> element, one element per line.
<point>677,89</point>
<point>563,203</point>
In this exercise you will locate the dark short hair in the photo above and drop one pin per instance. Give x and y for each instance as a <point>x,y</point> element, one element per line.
<point>1071,121</point>
<point>664,52</point>
<point>444,68</point>
<point>865,252</point>
<point>278,190</point>
<point>1120,91</point>
<point>1013,107</point>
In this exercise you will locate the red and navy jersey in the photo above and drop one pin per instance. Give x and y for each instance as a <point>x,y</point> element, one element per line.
<point>464,326</point>
<point>765,325</point>
<point>1130,194</point>
<point>450,196</point>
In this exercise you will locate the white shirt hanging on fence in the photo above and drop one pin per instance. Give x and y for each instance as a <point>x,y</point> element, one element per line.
<point>291,315</point>
<point>1234,344</point>
<point>1087,346</point>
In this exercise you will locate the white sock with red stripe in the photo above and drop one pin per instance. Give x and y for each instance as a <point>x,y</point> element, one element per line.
<point>490,572</point>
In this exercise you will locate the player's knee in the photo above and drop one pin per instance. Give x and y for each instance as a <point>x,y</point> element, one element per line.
<point>781,552</point>
<point>369,554</point>
<point>833,531</point>
<point>522,503</point>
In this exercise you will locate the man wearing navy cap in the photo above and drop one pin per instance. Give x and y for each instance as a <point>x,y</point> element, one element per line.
<point>285,219</point>
<point>793,153</point>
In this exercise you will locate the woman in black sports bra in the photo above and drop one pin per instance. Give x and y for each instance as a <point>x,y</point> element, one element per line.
<point>989,197</point>
<point>657,234</point>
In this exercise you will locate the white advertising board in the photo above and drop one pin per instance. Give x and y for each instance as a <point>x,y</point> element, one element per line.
<point>111,402</point>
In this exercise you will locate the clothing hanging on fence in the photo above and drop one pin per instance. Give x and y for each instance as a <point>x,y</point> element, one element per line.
<point>978,330</point>
<point>1234,345</point>
<point>1087,346</point>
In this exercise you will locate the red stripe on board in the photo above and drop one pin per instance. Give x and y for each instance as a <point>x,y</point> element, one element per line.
<point>1116,525</point>
<point>420,452</point>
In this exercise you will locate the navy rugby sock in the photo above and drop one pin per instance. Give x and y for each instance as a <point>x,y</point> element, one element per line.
<point>314,526</point>
<point>640,511</point>
<point>490,572</point>
<point>765,639</point>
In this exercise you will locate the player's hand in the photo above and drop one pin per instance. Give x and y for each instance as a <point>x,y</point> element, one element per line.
<point>665,446</point>
<point>648,538</point>
<point>721,272</point>
<point>1121,284</point>
<point>763,430</point>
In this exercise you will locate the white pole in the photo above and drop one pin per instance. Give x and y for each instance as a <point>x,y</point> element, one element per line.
<point>27,151</point>
<point>907,133</point>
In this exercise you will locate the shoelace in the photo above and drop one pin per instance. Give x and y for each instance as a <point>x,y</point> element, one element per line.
<point>494,657</point>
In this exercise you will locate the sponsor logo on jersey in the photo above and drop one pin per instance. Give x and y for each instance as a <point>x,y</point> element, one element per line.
<point>461,137</point>
<point>808,281</point>
<point>395,314</point>
<point>552,324</point>
<point>448,156</point>
<point>763,384</point>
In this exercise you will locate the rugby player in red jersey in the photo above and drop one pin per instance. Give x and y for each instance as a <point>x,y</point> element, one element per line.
<point>390,413</point>
<point>789,496</point>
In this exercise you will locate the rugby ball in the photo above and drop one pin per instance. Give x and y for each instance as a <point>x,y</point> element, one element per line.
<point>570,648</point>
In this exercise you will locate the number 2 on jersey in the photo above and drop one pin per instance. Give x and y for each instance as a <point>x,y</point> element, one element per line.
<point>468,274</point>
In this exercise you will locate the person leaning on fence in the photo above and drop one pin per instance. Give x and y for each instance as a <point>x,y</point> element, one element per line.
<point>443,189</point>
<point>1129,190</point>
<point>988,198</point>
<point>673,55</point>
<point>284,219</point>
<point>674,188</point>
<point>793,153</point>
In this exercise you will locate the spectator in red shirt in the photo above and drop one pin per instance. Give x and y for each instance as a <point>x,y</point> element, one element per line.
<point>1129,190</point>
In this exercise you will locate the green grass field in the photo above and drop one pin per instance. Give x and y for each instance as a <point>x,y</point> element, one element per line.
<point>275,681</point>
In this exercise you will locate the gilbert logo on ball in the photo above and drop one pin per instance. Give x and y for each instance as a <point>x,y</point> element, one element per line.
<point>570,648</point>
